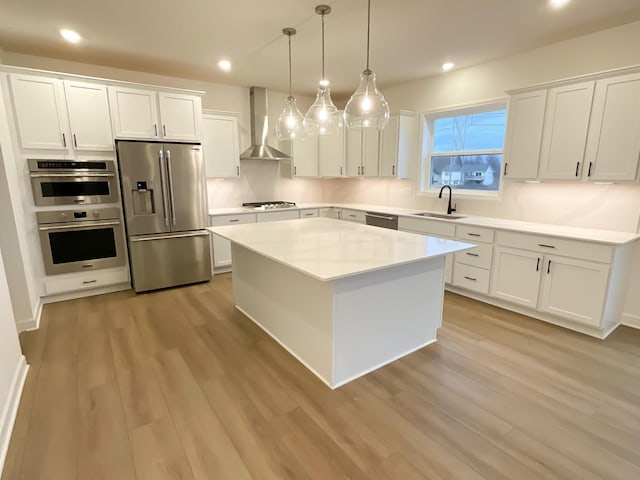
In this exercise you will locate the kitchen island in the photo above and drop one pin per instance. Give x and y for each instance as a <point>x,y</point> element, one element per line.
<point>343,298</point>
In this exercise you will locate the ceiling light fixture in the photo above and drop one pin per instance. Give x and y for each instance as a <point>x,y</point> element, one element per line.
<point>322,117</point>
<point>291,121</point>
<point>558,3</point>
<point>70,36</point>
<point>224,65</point>
<point>448,66</point>
<point>367,106</point>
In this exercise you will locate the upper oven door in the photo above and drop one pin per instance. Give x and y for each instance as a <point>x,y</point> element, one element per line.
<point>77,247</point>
<point>73,188</point>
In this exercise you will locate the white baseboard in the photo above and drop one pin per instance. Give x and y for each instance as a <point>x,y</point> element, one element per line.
<point>8,415</point>
<point>630,320</point>
<point>31,323</point>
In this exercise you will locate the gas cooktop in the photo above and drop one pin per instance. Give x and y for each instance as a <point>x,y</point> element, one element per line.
<point>274,205</point>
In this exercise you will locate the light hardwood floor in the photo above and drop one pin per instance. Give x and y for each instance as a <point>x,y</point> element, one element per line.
<point>179,385</point>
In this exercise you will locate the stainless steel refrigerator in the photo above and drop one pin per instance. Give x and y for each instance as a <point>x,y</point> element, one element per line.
<point>164,198</point>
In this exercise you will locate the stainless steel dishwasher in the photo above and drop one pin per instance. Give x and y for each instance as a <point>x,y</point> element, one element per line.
<point>382,220</point>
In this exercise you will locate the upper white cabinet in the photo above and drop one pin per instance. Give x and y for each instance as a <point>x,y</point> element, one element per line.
<point>61,115</point>
<point>89,117</point>
<point>613,145</point>
<point>362,151</point>
<point>331,154</point>
<point>134,113</point>
<point>146,114</point>
<point>180,116</point>
<point>40,112</point>
<point>304,152</point>
<point>565,131</point>
<point>220,145</point>
<point>399,145</point>
<point>524,134</point>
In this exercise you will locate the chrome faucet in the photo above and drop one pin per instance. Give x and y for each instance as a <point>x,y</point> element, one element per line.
<point>450,209</point>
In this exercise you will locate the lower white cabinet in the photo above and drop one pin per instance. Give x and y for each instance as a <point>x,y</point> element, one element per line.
<point>73,282</point>
<point>222,246</point>
<point>516,276</point>
<point>471,278</point>
<point>357,216</point>
<point>309,213</point>
<point>277,216</point>
<point>472,268</point>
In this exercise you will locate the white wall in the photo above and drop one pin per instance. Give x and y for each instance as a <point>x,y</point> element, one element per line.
<point>12,366</point>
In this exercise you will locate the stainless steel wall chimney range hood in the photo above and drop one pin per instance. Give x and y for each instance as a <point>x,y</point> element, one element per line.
<point>259,150</point>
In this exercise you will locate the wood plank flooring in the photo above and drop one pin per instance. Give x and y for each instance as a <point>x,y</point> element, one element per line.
<point>177,384</point>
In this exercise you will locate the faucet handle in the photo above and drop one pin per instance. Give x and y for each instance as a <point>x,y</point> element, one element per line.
<point>453,209</point>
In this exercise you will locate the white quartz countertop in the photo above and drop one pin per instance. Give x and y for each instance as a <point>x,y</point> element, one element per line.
<point>328,249</point>
<point>576,233</point>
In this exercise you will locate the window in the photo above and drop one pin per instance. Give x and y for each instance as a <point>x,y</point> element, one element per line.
<point>464,148</point>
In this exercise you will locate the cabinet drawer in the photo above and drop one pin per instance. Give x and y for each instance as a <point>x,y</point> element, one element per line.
<point>308,213</point>
<point>428,227</point>
<point>353,215</point>
<point>82,281</point>
<point>471,233</point>
<point>556,246</point>
<point>222,220</point>
<point>471,278</point>
<point>277,216</point>
<point>479,256</point>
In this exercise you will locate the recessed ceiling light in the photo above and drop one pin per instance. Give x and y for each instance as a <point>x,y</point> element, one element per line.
<point>558,3</point>
<point>70,36</point>
<point>224,65</point>
<point>448,66</point>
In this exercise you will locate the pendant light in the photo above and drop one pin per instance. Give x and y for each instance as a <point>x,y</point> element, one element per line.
<point>367,106</point>
<point>323,117</point>
<point>291,121</point>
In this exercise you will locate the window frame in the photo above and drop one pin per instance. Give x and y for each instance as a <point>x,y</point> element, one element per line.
<point>429,117</point>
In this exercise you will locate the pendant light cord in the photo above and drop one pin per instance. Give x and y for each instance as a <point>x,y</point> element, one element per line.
<point>368,31</point>
<point>289,66</point>
<point>323,47</point>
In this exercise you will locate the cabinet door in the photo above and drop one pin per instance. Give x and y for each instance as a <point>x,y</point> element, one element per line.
<point>180,116</point>
<point>134,113</point>
<point>221,252</point>
<point>89,118</point>
<point>448,268</point>
<point>220,145</point>
<point>565,131</point>
<point>370,152</point>
<point>305,156</point>
<point>574,289</point>
<point>516,276</point>
<point>613,145</point>
<point>40,112</point>
<point>353,151</point>
<point>389,140</point>
<point>331,154</point>
<point>524,134</point>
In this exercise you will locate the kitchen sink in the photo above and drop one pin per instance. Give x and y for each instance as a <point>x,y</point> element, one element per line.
<point>440,215</point>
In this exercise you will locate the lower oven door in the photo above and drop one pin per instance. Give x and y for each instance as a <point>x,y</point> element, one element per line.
<point>78,247</point>
<point>67,189</point>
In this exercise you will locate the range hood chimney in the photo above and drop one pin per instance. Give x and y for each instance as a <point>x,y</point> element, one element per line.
<point>259,150</point>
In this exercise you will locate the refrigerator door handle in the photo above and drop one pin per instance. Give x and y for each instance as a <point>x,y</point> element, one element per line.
<point>169,237</point>
<point>173,207</point>
<point>163,177</point>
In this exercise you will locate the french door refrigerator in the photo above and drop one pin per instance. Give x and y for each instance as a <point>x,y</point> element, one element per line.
<point>164,198</point>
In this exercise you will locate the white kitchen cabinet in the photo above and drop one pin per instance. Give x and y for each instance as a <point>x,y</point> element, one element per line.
<point>613,144</point>
<point>329,212</point>
<point>180,116</point>
<point>73,282</point>
<point>565,131</point>
<point>574,289</point>
<point>309,213</point>
<point>357,216</point>
<point>89,118</point>
<point>147,114</point>
<point>222,246</point>
<point>134,113</point>
<point>523,137</point>
<point>40,112</point>
<point>472,268</point>
<point>304,152</point>
<point>362,152</point>
<point>220,145</point>
<point>277,216</point>
<point>399,145</point>
<point>331,154</point>
<point>516,276</point>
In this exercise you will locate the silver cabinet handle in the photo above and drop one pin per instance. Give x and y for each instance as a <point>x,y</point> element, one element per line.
<point>538,265</point>
<point>310,214</point>
<point>171,199</point>
<point>362,170</point>
<point>169,237</point>
<point>295,170</point>
<point>77,226</point>
<point>549,268</point>
<point>163,178</point>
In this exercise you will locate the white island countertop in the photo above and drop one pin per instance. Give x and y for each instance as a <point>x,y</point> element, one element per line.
<point>328,249</point>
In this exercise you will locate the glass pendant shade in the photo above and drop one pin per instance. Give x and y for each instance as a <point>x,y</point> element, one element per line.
<point>323,117</point>
<point>367,107</point>
<point>290,122</point>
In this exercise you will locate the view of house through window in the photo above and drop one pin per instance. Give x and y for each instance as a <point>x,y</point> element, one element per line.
<point>465,148</point>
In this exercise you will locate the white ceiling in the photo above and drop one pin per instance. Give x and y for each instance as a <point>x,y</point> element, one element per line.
<point>410,38</point>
